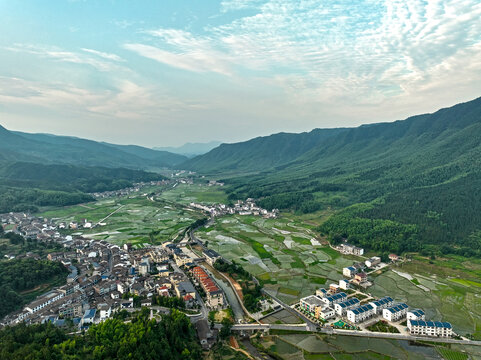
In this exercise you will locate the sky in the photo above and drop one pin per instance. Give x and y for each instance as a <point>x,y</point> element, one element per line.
<point>166,72</point>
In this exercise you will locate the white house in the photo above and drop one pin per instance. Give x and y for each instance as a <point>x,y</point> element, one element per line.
<point>395,313</point>
<point>381,304</point>
<point>360,313</point>
<point>342,307</point>
<point>373,261</point>
<point>416,314</point>
<point>105,311</point>
<point>430,328</point>
<point>325,313</point>
<point>334,299</point>
<point>344,284</point>
<point>321,292</point>
<point>349,271</point>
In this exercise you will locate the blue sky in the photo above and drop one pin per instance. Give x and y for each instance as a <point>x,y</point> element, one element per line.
<point>162,73</point>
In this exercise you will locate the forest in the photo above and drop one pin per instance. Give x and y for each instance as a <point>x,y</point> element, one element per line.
<point>18,275</point>
<point>171,338</point>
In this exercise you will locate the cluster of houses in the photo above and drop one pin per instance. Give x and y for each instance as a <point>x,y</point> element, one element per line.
<point>349,249</point>
<point>103,278</point>
<point>128,190</point>
<point>29,226</point>
<point>331,304</point>
<point>247,207</point>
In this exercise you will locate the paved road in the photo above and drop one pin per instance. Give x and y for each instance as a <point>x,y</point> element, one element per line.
<point>303,327</point>
<point>311,325</point>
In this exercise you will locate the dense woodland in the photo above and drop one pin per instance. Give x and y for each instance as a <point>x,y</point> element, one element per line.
<point>19,275</point>
<point>416,182</point>
<point>170,339</point>
<point>45,170</point>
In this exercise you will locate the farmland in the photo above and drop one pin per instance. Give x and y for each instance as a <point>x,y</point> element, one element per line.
<point>282,253</point>
<point>137,220</point>
<point>314,347</point>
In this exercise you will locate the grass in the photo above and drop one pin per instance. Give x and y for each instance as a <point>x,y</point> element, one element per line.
<point>449,354</point>
<point>384,327</point>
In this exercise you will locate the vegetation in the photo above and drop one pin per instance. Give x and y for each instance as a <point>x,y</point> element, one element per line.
<point>413,183</point>
<point>19,275</point>
<point>169,302</point>
<point>251,291</point>
<point>383,326</point>
<point>171,338</point>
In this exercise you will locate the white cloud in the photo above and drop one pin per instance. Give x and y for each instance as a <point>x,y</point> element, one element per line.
<point>366,51</point>
<point>58,54</point>
<point>104,55</point>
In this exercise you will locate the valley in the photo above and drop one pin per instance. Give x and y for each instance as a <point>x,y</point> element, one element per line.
<point>285,254</point>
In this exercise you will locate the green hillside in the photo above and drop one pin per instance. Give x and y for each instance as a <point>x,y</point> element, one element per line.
<point>76,151</point>
<point>423,171</point>
<point>260,153</point>
<point>47,170</point>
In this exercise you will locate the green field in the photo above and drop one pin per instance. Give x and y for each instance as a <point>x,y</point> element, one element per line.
<point>301,346</point>
<point>185,194</point>
<point>137,220</point>
<point>277,251</point>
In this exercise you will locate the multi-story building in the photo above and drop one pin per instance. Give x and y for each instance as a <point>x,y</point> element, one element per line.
<point>344,284</point>
<point>430,328</point>
<point>325,312</point>
<point>381,304</point>
<point>360,313</point>
<point>342,307</point>
<point>395,313</point>
<point>321,292</point>
<point>375,260</point>
<point>349,271</point>
<point>215,296</point>
<point>310,303</point>
<point>331,300</point>
<point>416,314</point>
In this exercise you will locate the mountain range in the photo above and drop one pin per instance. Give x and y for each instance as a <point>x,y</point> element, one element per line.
<point>191,149</point>
<point>407,185</point>
<point>42,169</point>
<point>53,149</point>
<point>424,171</point>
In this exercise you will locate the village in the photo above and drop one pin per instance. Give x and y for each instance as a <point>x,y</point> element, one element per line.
<point>245,208</point>
<point>105,278</point>
<point>347,306</point>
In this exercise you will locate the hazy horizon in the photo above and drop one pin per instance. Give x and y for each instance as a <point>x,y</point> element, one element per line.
<point>171,72</point>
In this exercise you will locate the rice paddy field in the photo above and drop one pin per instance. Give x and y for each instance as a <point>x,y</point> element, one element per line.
<point>283,254</point>
<point>135,220</point>
<point>314,347</point>
<point>443,298</point>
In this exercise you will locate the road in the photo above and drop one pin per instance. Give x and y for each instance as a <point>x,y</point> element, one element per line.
<point>311,325</point>
<point>203,308</point>
<point>303,327</point>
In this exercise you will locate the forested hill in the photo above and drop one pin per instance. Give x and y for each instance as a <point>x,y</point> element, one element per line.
<point>260,153</point>
<point>52,149</point>
<point>424,171</point>
<point>47,170</point>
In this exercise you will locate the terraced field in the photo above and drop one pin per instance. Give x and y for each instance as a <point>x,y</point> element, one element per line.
<point>283,254</point>
<point>134,220</point>
<point>314,347</point>
<point>458,302</point>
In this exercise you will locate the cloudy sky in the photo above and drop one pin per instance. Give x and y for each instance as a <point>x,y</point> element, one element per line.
<point>164,72</point>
